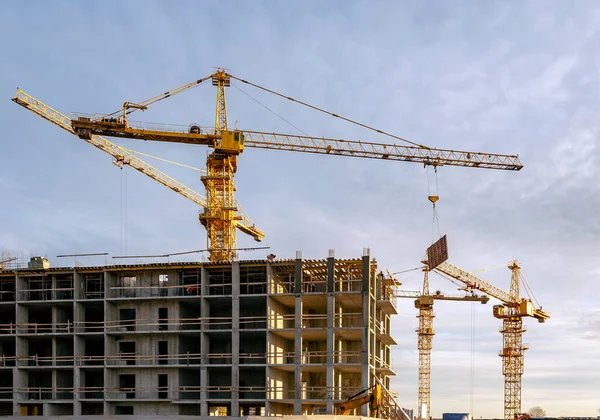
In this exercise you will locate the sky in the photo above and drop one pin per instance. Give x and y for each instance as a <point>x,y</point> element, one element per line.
<point>499,77</point>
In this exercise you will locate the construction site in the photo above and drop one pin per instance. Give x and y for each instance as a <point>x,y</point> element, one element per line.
<point>246,338</point>
<point>227,336</point>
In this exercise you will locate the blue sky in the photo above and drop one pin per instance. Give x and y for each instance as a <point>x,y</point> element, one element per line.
<point>505,77</point>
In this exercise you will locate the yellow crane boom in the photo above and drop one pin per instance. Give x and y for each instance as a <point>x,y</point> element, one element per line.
<point>124,157</point>
<point>86,125</point>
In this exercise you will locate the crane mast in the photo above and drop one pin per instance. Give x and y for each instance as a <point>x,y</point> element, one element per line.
<point>511,312</point>
<point>424,303</point>
<point>219,215</point>
<point>512,347</point>
<point>425,333</point>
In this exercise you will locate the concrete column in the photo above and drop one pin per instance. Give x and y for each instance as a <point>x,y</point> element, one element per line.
<point>78,345</point>
<point>366,335</point>
<point>235,338</point>
<point>107,350</point>
<point>17,375</point>
<point>298,335</point>
<point>20,376</point>
<point>330,328</point>
<point>204,348</point>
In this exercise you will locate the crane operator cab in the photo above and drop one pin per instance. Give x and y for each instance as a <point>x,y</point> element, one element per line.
<point>231,142</point>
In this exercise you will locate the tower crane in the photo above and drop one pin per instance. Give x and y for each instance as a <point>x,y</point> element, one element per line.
<point>123,157</point>
<point>221,214</point>
<point>512,311</point>
<point>424,303</point>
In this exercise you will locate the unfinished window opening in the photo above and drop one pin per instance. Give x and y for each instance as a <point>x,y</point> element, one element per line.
<point>63,287</point>
<point>32,410</point>
<point>92,409</point>
<point>253,280</point>
<point>219,381</point>
<point>253,347</point>
<point>40,352</point>
<point>220,314</point>
<point>93,313</point>
<point>127,385</point>
<point>7,319</point>
<point>189,314</point>
<point>253,382</point>
<point>218,410</point>
<point>163,319</point>
<point>253,312</point>
<point>163,386</point>
<point>93,384</point>
<point>7,290</point>
<point>127,286</point>
<point>6,409</point>
<point>189,381</point>
<point>64,351</point>
<point>219,349</point>
<point>38,288</point>
<point>124,410</point>
<point>190,280</point>
<point>40,385</point>
<point>256,409</point>
<point>93,351</point>
<point>189,349</point>
<point>127,318</point>
<point>6,383</point>
<point>163,352</point>
<point>94,285</point>
<point>163,284</point>
<point>7,352</point>
<point>127,351</point>
<point>282,279</point>
<point>64,384</point>
<point>219,281</point>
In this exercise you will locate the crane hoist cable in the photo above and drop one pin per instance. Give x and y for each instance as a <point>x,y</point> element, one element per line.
<point>434,199</point>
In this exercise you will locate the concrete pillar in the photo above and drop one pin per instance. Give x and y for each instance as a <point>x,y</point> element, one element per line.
<point>107,350</point>
<point>235,338</point>
<point>366,318</point>
<point>78,345</point>
<point>330,329</point>
<point>204,345</point>
<point>298,335</point>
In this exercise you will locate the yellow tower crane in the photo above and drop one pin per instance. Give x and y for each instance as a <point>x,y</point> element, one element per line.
<point>221,214</point>
<point>123,156</point>
<point>424,303</point>
<point>512,311</point>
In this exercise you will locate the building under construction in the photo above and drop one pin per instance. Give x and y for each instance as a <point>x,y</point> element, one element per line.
<point>253,337</point>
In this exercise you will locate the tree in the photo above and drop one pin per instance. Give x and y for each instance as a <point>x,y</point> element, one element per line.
<point>537,412</point>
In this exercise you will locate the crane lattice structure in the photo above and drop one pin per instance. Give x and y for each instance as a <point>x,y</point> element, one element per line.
<point>424,303</point>
<point>221,214</point>
<point>512,311</point>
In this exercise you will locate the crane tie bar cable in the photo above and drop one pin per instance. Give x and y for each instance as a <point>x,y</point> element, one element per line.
<point>329,113</point>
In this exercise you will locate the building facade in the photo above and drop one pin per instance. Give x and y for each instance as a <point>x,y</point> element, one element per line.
<point>245,338</point>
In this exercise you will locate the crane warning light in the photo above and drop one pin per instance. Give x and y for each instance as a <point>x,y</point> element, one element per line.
<point>437,253</point>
